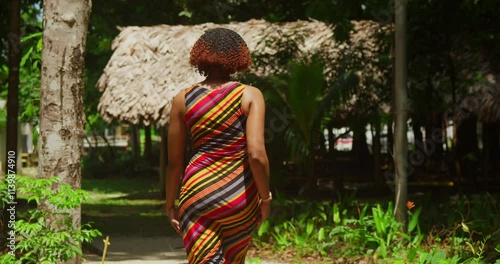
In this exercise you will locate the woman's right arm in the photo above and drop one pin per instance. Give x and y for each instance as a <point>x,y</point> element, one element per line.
<point>176,146</point>
<point>254,108</point>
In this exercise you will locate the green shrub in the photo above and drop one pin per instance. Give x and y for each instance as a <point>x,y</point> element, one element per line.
<point>350,229</point>
<point>38,239</point>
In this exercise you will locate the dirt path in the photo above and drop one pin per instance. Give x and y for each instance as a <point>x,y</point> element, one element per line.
<point>126,249</point>
<point>149,250</point>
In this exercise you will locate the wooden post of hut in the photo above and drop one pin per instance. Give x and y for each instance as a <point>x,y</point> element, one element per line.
<point>148,144</point>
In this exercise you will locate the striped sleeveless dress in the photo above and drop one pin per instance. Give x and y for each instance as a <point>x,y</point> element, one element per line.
<point>218,203</point>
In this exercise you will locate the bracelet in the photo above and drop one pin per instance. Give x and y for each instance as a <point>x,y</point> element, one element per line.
<point>268,199</point>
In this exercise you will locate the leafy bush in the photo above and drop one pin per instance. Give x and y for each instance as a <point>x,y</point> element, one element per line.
<point>350,229</point>
<point>47,236</point>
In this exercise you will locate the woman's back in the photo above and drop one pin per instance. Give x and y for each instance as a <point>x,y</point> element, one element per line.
<point>217,189</point>
<point>216,122</point>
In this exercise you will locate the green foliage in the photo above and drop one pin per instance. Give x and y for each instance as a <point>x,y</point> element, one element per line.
<point>3,118</point>
<point>304,104</point>
<point>33,53</point>
<point>31,46</point>
<point>46,234</point>
<point>29,87</point>
<point>437,256</point>
<point>477,248</point>
<point>348,228</point>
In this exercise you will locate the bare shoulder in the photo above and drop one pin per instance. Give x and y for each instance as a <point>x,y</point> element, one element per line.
<point>178,101</point>
<point>251,96</point>
<point>179,97</point>
<point>252,93</point>
<point>251,90</point>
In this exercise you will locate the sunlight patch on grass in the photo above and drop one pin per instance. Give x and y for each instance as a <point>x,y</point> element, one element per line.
<point>122,209</point>
<point>123,201</point>
<point>120,186</point>
<point>253,261</point>
<point>152,214</point>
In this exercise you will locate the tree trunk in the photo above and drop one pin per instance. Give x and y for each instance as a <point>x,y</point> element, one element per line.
<point>331,142</point>
<point>13,89</point>
<point>136,144</point>
<point>148,144</point>
<point>390,136</point>
<point>418,136</point>
<point>401,104</point>
<point>311,188</point>
<point>360,151</point>
<point>376,151</point>
<point>62,114</point>
<point>495,149</point>
<point>488,144</point>
<point>438,126</point>
<point>12,96</point>
<point>467,147</point>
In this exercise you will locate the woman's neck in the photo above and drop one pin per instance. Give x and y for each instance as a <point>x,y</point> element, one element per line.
<point>216,79</point>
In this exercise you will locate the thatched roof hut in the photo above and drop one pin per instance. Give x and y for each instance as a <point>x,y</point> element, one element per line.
<point>150,64</point>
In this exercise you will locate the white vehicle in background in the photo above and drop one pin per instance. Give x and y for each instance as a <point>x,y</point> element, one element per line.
<point>344,142</point>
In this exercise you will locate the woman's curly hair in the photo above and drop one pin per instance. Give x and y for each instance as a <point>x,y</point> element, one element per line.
<point>220,47</point>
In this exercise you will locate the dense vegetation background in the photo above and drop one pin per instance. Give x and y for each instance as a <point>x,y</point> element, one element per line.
<point>453,48</point>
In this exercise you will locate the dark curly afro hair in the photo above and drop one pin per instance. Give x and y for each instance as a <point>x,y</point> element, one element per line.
<point>223,48</point>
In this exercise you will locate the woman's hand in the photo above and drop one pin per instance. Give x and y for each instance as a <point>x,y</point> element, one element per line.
<point>265,211</point>
<point>174,220</point>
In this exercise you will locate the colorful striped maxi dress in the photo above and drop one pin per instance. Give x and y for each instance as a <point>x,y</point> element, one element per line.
<point>218,203</point>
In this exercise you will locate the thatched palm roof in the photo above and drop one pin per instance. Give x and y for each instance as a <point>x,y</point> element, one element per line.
<point>150,64</point>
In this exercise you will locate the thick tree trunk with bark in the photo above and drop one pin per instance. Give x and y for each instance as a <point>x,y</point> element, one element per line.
<point>62,115</point>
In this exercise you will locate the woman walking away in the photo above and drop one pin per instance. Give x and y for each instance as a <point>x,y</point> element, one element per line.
<point>224,194</point>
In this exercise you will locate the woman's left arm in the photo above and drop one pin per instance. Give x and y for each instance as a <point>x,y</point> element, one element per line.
<point>176,147</point>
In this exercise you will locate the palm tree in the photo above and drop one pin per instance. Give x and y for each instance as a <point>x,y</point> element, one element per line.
<point>312,104</point>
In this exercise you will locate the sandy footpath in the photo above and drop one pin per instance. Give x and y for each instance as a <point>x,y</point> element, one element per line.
<point>150,250</point>
<point>125,249</point>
